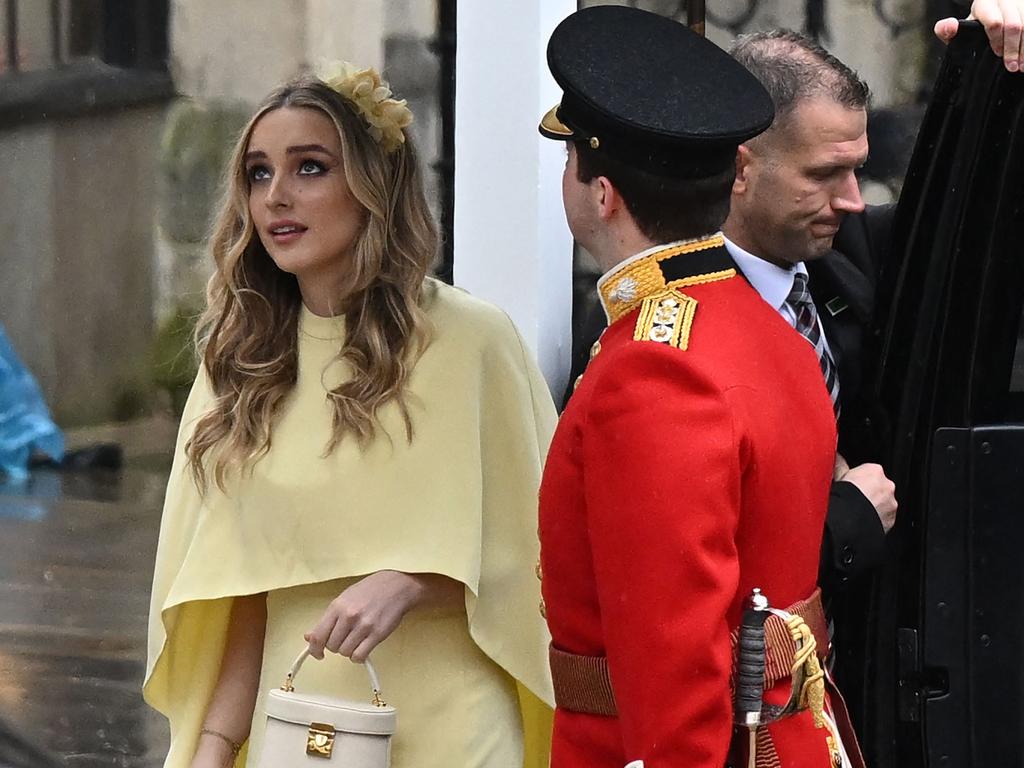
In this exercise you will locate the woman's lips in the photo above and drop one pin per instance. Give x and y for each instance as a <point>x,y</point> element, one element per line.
<point>287,233</point>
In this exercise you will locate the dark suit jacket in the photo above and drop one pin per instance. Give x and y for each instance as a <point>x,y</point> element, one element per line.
<point>842,284</point>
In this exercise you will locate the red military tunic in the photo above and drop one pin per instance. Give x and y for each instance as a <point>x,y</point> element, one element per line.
<point>692,464</point>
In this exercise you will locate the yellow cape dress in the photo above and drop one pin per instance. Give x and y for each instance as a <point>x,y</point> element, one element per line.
<point>459,500</point>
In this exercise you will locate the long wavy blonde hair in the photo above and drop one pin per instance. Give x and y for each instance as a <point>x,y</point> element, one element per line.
<point>247,337</point>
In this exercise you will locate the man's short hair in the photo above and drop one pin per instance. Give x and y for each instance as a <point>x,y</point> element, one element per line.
<point>793,68</point>
<point>664,208</point>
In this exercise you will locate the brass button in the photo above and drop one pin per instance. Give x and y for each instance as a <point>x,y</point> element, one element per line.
<point>543,609</point>
<point>660,333</point>
<point>665,316</point>
<point>537,571</point>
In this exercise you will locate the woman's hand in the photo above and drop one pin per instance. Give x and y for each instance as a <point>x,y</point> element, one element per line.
<point>366,613</point>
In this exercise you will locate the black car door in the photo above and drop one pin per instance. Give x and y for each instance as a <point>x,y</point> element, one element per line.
<point>930,654</point>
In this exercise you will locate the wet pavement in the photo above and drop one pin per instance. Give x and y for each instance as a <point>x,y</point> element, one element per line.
<point>76,560</point>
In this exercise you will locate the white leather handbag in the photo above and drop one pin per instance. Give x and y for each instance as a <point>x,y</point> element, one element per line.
<point>309,730</point>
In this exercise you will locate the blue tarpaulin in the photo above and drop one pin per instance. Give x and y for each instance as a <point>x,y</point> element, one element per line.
<point>25,423</point>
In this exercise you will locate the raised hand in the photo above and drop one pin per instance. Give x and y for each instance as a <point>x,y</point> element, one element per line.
<point>1003,21</point>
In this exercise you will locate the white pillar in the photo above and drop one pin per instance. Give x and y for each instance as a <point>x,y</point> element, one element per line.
<point>512,245</point>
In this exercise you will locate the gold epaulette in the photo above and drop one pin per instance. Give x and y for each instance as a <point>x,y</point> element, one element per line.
<point>666,314</point>
<point>666,318</point>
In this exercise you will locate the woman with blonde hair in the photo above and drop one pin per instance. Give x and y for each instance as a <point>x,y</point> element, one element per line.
<point>358,461</point>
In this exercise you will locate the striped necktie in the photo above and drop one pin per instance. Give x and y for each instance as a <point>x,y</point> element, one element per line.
<point>807,324</point>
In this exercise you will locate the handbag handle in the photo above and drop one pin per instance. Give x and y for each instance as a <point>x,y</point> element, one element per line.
<point>289,681</point>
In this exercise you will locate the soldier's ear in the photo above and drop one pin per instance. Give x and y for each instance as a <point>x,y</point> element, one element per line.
<point>744,161</point>
<point>607,198</point>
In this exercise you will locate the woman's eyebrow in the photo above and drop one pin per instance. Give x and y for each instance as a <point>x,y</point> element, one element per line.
<point>258,154</point>
<point>309,148</point>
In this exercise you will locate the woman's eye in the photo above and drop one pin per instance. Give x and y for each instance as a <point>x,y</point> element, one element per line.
<point>310,167</point>
<point>258,173</point>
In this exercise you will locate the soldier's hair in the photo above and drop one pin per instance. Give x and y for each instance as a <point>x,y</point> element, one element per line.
<point>665,209</point>
<point>793,68</point>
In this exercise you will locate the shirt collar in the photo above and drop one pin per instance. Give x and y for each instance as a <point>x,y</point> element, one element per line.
<point>771,281</point>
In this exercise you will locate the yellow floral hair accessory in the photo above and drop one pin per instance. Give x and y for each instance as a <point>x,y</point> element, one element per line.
<point>385,116</point>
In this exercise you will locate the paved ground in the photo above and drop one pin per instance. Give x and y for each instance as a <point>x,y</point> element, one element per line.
<point>76,558</point>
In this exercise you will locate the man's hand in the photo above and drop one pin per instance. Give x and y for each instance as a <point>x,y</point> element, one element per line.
<point>841,467</point>
<point>870,480</point>
<point>1003,20</point>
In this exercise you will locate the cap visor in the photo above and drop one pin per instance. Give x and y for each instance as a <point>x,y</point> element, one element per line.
<point>553,128</point>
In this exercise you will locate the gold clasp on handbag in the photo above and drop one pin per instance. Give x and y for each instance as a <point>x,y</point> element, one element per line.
<point>288,687</point>
<point>320,740</point>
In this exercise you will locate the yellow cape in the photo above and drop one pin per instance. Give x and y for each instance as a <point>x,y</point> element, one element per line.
<point>460,500</point>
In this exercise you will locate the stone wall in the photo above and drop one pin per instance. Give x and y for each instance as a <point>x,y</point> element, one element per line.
<point>235,50</point>
<point>77,291</point>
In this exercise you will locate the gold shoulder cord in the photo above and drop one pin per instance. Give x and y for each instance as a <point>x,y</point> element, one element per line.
<point>812,694</point>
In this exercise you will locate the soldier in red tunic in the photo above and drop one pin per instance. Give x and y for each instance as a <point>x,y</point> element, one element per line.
<point>693,463</point>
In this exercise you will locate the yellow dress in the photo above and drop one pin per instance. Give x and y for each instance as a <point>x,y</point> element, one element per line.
<point>459,500</point>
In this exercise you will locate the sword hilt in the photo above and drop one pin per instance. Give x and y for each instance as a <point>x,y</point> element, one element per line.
<point>751,662</point>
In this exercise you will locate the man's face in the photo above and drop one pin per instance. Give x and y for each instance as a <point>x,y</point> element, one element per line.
<point>577,198</point>
<point>799,182</point>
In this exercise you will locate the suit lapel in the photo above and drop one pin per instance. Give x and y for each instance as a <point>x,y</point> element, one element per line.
<point>843,296</point>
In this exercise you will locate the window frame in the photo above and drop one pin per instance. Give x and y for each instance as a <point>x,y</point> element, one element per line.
<point>131,70</point>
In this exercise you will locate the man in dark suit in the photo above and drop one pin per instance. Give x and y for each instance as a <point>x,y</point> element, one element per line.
<point>795,193</point>
<point>796,209</point>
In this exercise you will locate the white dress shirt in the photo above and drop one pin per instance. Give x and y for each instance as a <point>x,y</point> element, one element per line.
<point>771,281</point>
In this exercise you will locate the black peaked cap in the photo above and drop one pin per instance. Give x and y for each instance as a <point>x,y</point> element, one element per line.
<point>651,93</point>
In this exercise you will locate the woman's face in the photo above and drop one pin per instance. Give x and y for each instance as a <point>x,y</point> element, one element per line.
<point>299,199</point>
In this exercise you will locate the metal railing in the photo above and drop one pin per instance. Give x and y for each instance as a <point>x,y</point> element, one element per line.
<point>739,21</point>
<point>444,45</point>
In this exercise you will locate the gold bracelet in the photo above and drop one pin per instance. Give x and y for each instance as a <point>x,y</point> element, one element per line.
<point>235,746</point>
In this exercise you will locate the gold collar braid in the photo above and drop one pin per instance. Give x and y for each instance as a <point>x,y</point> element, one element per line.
<point>624,288</point>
